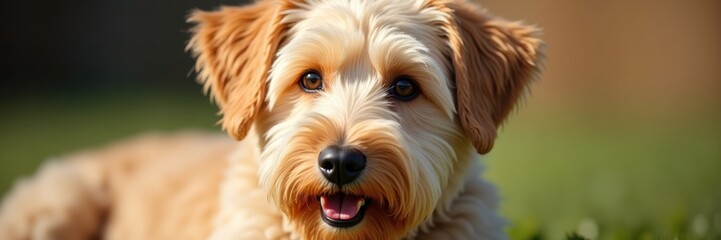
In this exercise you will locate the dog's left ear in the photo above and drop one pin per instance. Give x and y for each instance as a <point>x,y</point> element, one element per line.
<point>493,61</point>
<point>234,48</point>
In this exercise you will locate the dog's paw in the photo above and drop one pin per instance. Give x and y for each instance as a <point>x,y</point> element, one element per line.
<point>56,204</point>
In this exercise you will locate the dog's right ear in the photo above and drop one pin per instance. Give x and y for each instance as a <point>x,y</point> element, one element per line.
<point>234,49</point>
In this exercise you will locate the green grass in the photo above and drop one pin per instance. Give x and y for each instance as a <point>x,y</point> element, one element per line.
<point>561,174</point>
<point>631,178</point>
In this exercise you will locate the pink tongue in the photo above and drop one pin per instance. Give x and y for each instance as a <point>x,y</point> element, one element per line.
<point>340,206</point>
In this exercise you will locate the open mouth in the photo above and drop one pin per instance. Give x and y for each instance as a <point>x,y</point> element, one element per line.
<point>342,210</point>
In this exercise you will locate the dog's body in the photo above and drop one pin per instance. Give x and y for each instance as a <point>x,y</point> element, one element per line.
<point>357,120</point>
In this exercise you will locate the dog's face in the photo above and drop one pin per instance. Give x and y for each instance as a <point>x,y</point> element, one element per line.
<point>367,109</point>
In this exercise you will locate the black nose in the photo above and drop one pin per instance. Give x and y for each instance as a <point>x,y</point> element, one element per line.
<point>341,165</point>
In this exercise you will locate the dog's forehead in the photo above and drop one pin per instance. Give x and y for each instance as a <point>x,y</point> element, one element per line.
<point>365,15</point>
<point>375,30</point>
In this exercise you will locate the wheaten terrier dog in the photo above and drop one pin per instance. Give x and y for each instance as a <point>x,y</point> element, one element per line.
<point>356,120</point>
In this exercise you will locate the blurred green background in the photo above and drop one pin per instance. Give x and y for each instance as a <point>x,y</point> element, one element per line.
<point>619,139</point>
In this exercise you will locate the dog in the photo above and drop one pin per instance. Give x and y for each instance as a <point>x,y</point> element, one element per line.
<point>353,119</point>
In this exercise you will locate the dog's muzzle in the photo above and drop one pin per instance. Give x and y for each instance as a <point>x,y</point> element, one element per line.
<point>340,166</point>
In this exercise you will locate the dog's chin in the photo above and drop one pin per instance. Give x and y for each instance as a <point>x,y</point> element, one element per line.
<point>343,210</point>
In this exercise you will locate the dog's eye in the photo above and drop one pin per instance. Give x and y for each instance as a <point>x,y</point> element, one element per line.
<point>311,81</point>
<point>404,88</point>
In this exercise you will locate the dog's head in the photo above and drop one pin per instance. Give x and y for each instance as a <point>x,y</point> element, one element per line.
<point>366,109</point>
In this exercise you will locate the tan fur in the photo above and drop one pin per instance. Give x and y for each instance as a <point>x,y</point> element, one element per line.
<point>143,188</point>
<point>234,48</point>
<point>493,61</point>
<point>422,175</point>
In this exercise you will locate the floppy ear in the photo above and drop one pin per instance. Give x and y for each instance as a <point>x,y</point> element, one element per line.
<point>493,61</point>
<point>234,49</point>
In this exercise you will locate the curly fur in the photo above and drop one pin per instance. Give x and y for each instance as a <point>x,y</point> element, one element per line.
<point>423,171</point>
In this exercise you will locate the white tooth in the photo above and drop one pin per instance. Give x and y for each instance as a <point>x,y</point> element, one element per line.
<point>322,202</point>
<point>361,203</point>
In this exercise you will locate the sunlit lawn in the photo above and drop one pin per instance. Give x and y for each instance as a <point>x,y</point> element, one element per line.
<point>558,172</point>
<point>614,176</point>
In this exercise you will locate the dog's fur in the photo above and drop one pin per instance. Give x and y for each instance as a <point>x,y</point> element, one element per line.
<point>423,168</point>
